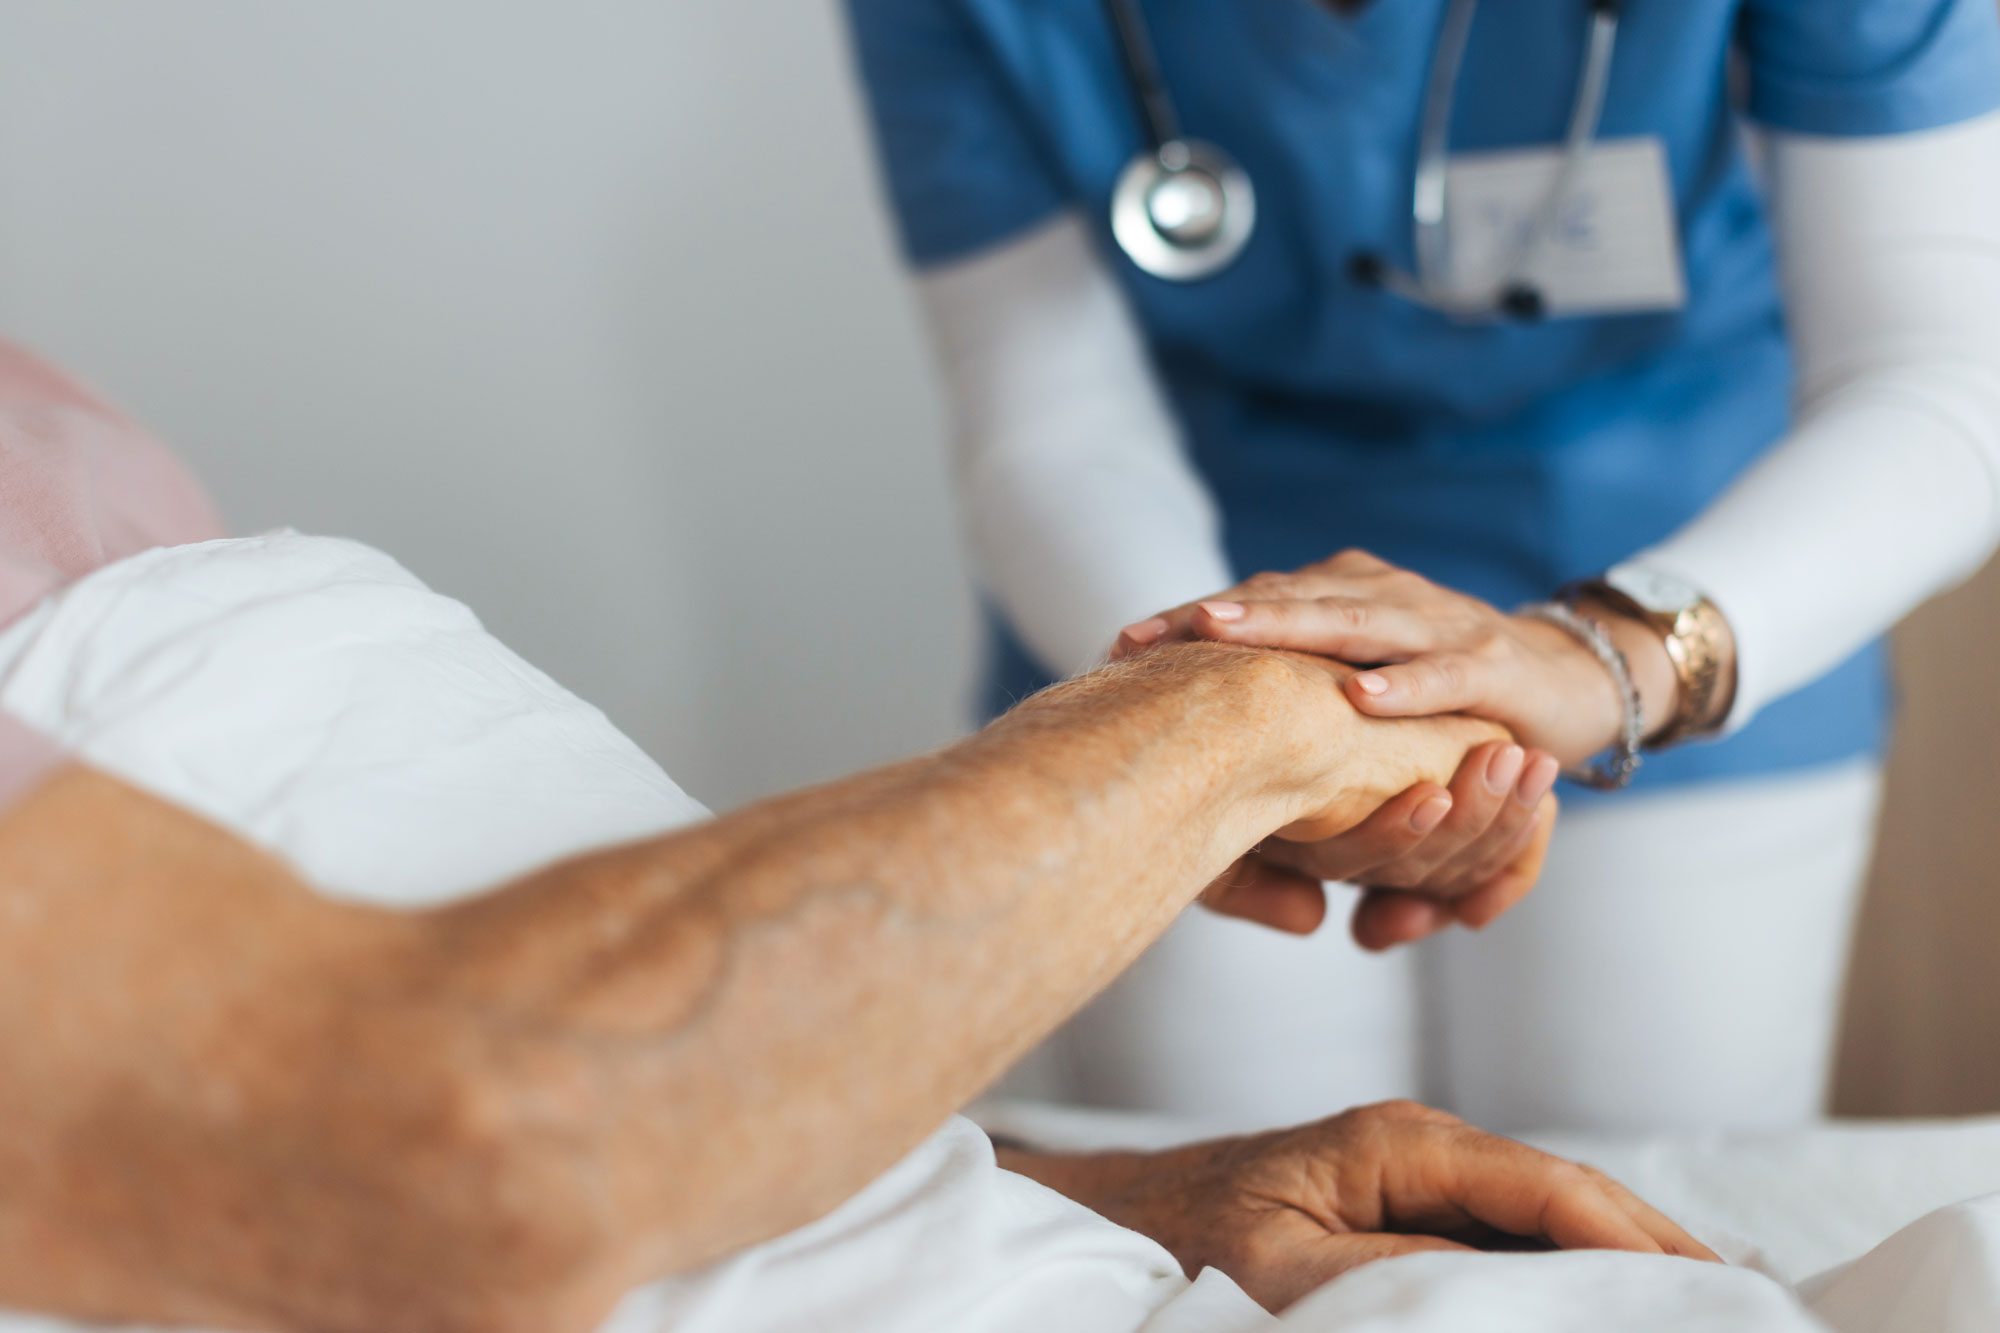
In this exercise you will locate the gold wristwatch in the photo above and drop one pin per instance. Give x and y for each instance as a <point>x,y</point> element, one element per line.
<point>1696,638</point>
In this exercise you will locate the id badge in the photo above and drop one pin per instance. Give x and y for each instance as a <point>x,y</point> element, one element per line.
<point>1612,248</point>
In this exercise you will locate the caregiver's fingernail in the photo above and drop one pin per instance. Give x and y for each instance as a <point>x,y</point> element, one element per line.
<point>1223,610</point>
<point>1503,768</point>
<point>1536,781</point>
<point>1371,683</point>
<point>1430,814</point>
<point>1145,631</point>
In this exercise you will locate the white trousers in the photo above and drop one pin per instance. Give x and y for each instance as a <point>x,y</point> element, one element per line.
<point>1679,966</point>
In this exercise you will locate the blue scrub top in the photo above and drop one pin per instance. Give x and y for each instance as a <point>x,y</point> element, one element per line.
<point>1502,460</point>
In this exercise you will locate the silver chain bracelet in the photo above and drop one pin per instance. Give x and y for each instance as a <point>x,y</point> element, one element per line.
<point>1616,769</point>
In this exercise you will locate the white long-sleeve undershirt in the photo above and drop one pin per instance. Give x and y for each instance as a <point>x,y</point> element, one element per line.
<point>1887,490</point>
<point>1084,512</point>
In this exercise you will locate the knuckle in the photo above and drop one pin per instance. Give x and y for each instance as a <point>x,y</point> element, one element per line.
<point>1380,833</point>
<point>1405,838</point>
<point>1346,612</point>
<point>1473,1144</point>
<point>1258,1249</point>
<point>1380,1122</point>
<point>1358,1118</point>
<point>1423,1117</point>
<point>1445,884</point>
<point>1510,825</point>
<point>1354,558</point>
<point>1406,581</point>
<point>1569,1180</point>
<point>1422,681</point>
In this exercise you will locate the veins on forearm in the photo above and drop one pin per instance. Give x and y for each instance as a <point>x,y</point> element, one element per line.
<point>804,902</point>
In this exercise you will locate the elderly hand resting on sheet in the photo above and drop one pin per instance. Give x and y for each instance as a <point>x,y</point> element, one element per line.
<point>1286,1212</point>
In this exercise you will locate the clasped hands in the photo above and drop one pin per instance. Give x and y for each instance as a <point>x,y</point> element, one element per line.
<point>1434,855</point>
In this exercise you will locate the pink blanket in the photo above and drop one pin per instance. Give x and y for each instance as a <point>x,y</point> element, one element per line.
<point>81,486</point>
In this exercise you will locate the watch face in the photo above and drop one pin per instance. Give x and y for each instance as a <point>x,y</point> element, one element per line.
<point>1660,593</point>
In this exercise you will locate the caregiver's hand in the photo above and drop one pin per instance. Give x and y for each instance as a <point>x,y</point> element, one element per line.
<point>1438,651</point>
<point>1286,1212</point>
<point>1430,857</point>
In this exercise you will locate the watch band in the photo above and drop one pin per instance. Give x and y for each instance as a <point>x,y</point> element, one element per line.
<point>1694,637</point>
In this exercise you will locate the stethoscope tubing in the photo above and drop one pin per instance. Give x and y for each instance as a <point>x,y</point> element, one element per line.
<point>1169,152</point>
<point>1159,117</point>
<point>1429,192</point>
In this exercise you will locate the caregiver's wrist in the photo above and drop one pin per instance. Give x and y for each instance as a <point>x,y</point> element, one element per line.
<point>1652,669</point>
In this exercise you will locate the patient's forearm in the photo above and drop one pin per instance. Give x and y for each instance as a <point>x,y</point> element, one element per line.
<point>225,1100</point>
<point>776,1007</point>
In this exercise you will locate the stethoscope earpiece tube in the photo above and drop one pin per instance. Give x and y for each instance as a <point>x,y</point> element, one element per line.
<point>1158,116</point>
<point>1182,209</point>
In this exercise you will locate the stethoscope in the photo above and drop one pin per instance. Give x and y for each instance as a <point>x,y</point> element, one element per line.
<point>1183,209</point>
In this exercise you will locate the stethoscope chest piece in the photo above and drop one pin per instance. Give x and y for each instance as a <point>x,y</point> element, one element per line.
<point>1184,211</point>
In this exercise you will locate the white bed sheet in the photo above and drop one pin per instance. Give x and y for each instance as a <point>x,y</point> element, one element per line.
<point>1879,1226</point>
<point>1791,1204</point>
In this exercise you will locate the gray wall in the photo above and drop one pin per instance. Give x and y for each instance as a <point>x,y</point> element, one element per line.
<point>583,310</point>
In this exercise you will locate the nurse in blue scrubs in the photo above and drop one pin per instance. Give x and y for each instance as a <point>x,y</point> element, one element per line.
<point>1496,294</point>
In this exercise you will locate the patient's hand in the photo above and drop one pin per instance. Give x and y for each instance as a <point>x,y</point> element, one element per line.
<point>1286,1212</point>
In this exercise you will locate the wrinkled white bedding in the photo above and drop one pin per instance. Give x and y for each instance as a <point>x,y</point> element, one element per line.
<point>1796,1207</point>
<point>316,698</point>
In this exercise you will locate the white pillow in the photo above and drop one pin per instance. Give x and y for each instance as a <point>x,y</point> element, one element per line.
<point>315,697</point>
